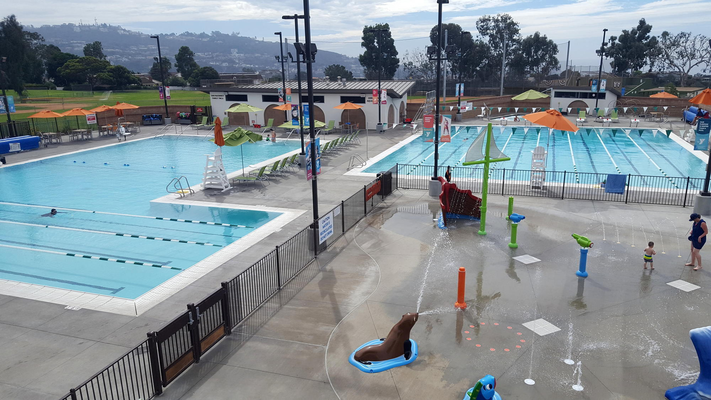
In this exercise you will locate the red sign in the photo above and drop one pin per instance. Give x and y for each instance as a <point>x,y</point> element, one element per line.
<point>199,109</point>
<point>288,90</point>
<point>372,191</point>
<point>428,121</point>
<point>375,96</point>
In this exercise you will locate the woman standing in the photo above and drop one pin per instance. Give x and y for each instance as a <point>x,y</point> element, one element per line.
<point>698,238</point>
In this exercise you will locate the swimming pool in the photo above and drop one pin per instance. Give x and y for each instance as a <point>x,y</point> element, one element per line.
<point>597,150</point>
<point>105,239</point>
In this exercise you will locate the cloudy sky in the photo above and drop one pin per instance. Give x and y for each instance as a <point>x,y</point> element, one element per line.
<point>337,24</point>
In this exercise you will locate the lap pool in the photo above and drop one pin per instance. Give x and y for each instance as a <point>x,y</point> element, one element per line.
<point>106,239</point>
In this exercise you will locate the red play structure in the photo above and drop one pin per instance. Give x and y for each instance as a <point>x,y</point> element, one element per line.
<point>457,203</point>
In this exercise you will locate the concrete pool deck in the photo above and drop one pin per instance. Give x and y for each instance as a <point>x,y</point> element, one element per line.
<point>630,330</point>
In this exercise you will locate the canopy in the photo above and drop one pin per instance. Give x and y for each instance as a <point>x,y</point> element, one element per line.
<point>46,114</point>
<point>530,95</point>
<point>283,107</point>
<point>124,106</point>
<point>288,125</point>
<point>664,95</point>
<point>702,98</point>
<point>243,108</point>
<point>238,137</point>
<point>552,119</point>
<point>219,139</point>
<point>101,109</point>
<point>348,106</point>
<point>75,112</point>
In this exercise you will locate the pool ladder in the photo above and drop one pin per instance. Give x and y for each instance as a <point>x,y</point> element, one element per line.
<point>177,185</point>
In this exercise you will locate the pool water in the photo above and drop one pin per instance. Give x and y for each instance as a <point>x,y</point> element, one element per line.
<point>590,150</point>
<point>121,179</point>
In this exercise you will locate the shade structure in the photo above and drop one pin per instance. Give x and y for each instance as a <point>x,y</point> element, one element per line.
<point>124,106</point>
<point>702,98</point>
<point>552,119</point>
<point>238,137</point>
<point>46,114</point>
<point>288,125</point>
<point>348,106</point>
<point>243,108</point>
<point>283,107</point>
<point>664,95</point>
<point>75,112</point>
<point>530,95</point>
<point>101,109</point>
<point>219,139</point>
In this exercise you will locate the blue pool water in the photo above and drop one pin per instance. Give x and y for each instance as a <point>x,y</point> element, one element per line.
<point>83,181</point>
<point>633,154</point>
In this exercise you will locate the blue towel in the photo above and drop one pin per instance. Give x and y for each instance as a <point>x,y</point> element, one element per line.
<point>615,183</point>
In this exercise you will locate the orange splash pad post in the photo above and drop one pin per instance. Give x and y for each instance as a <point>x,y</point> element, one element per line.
<point>460,304</point>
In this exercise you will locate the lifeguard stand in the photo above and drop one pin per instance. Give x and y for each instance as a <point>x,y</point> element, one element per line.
<point>538,167</point>
<point>215,176</point>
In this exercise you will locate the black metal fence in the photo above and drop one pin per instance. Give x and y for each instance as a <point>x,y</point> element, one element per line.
<point>143,372</point>
<point>663,190</point>
<point>14,129</point>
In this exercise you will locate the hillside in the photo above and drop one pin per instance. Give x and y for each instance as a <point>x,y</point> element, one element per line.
<point>224,52</point>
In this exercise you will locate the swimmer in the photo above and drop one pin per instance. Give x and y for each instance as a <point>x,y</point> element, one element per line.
<point>52,213</point>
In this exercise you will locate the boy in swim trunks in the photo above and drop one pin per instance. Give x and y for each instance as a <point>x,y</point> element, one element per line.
<point>648,253</point>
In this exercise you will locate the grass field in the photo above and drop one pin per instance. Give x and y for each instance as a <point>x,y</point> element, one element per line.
<point>60,100</point>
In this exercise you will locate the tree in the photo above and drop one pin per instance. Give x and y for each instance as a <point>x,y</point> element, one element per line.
<point>203,73</point>
<point>54,58</point>
<point>369,59</point>
<point>95,50</point>
<point>176,81</point>
<point>84,70</point>
<point>683,52</point>
<point>670,88</point>
<point>122,77</point>
<point>535,56</point>
<point>632,50</point>
<point>155,69</point>
<point>185,62</point>
<point>418,66</point>
<point>456,46</point>
<point>333,71</point>
<point>21,49</point>
<point>495,31</point>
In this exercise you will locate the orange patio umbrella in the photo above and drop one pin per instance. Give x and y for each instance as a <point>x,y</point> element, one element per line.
<point>552,119</point>
<point>46,114</point>
<point>664,95</point>
<point>76,112</point>
<point>219,138</point>
<point>702,98</point>
<point>100,109</point>
<point>348,106</point>
<point>283,107</point>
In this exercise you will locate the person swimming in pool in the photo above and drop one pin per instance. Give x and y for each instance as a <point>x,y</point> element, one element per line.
<point>51,213</point>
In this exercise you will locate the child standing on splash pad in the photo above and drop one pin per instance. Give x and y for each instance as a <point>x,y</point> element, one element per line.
<point>648,253</point>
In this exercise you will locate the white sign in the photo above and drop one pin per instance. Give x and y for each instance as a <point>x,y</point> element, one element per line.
<point>17,147</point>
<point>384,97</point>
<point>325,227</point>
<point>91,119</point>
<point>217,96</point>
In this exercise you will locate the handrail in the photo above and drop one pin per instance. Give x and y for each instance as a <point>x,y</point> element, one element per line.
<point>178,186</point>
<point>352,162</point>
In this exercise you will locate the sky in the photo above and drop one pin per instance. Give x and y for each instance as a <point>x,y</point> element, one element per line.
<point>337,24</point>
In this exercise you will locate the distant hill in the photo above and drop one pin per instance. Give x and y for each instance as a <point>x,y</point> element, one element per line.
<point>224,52</point>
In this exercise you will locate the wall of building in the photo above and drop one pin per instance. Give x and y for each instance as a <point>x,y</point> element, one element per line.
<point>609,102</point>
<point>331,100</point>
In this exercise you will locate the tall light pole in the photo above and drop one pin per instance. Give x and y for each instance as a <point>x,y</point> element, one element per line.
<point>282,60</point>
<point>162,78</point>
<point>705,191</point>
<point>309,53</point>
<point>438,72</point>
<point>296,18</point>
<point>503,66</point>
<point>10,126</point>
<point>461,58</point>
<point>599,72</point>
<point>380,71</point>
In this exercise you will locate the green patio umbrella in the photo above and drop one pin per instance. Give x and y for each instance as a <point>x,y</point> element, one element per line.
<point>530,95</point>
<point>245,108</point>
<point>238,137</point>
<point>288,125</point>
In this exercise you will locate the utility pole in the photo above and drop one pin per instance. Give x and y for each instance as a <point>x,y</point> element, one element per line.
<point>503,67</point>
<point>10,126</point>
<point>444,71</point>
<point>567,55</point>
<point>309,59</point>
<point>438,71</point>
<point>296,18</point>
<point>162,79</point>
<point>380,71</point>
<point>283,78</point>
<point>599,72</point>
<point>461,58</point>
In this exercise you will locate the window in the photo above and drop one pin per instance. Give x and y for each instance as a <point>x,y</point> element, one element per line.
<point>353,99</point>
<point>305,99</point>
<point>270,98</point>
<point>236,97</point>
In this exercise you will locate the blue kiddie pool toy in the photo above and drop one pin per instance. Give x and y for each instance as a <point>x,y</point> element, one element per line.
<point>373,367</point>
<point>485,389</point>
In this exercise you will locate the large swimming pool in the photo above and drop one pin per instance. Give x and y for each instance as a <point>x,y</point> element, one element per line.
<point>105,238</point>
<point>598,150</point>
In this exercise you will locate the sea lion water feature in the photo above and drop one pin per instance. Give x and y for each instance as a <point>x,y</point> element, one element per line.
<point>395,350</point>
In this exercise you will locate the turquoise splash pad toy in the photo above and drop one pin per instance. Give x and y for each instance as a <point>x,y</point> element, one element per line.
<point>379,366</point>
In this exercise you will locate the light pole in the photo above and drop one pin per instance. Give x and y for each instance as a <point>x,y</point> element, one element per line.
<point>282,60</point>
<point>380,70</point>
<point>704,192</point>
<point>503,66</point>
<point>10,126</point>
<point>309,53</point>
<point>162,79</point>
<point>599,72</point>
<point>438,72</point>
<point>461,58</point>
<point>296,18</point>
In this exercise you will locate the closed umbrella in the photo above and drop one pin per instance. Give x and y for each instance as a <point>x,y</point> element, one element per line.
<point>219,138</point>
<point>530,95</point>
<point>238,137</point>
<point>46,114</point>
<point>552,119</point>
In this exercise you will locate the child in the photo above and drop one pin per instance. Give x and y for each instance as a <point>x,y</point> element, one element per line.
<point>648,253</point>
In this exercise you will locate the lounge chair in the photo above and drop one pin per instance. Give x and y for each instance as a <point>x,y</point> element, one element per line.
<point>614,116</point>
<point>581,118</point>
<point>292,161</point>
<point>202,124</point>
<point>268,126</point>
<point>355,138</point>
<point>326,147</point>
<point>226,121</point>
<point>259,177</point>
<point>330,128</point>
<point>600,113</point>
<point>273,170</point>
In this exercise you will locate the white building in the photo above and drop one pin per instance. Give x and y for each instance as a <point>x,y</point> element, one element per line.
<point>582,97</point>
<point>327,95</point>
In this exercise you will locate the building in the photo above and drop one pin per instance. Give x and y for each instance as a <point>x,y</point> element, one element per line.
<point>582,97</point>
<point>327,95</point>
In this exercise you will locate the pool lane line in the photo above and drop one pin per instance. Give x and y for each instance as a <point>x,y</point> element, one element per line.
<point>608,152</point>
<point>587,150</point>
<point>650,159</point>
<point>44,278</point>
<point>572,156</point>
<point>660,154</point>
<point>441,144</point>
<point>2,221</point>
<point>116,260</point>
<point>66,250</point>
<point>130,215</point>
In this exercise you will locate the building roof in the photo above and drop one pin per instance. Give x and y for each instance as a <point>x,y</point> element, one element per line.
<point>395,88</point>
<point>586,89</point>
<point>684,89</point>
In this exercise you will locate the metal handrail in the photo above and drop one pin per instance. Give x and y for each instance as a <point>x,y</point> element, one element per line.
<point>178,186</point>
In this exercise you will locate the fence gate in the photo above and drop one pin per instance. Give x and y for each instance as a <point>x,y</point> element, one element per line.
<point>175,347</point>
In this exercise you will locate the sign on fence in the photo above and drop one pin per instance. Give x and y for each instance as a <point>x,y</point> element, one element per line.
<point>372,191</point>
<point>91,119</point>
<point>10,105</point>
<point>325,227</point>
<point>702,135</point>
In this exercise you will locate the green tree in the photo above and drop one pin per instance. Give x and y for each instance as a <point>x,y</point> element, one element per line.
<point>495,31</point>
<point>418,66</point>
<point>333,71</point>
<point>369,59</point>
<point>122,77</point>
<point>633,49</point>
<point>176,81</point>
<point>84,70</point>
<point>22,51</point>
<point>185,62</point>
<point>95,50</point>
<point>155,68</point>
<point>54,58</point>
<point>203,73</point>
<point>535,56</point>
<point>670,88</point>
<point>683,52</point>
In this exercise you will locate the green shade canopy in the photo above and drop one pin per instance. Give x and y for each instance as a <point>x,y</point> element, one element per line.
<point>288,125</point>
<point>530,95</point>
<point>243,108</point>
<point>238,137</point>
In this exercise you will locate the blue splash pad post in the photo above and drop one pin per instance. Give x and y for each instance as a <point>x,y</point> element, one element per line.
<point>701,389</point>
<point>380,366</point>
<point>581,272</point>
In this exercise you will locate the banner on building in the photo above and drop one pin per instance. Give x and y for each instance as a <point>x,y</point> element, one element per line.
<point>375,96</point>
<point>384,97</point>
<point>603,85</point>
<point>295,115</point>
